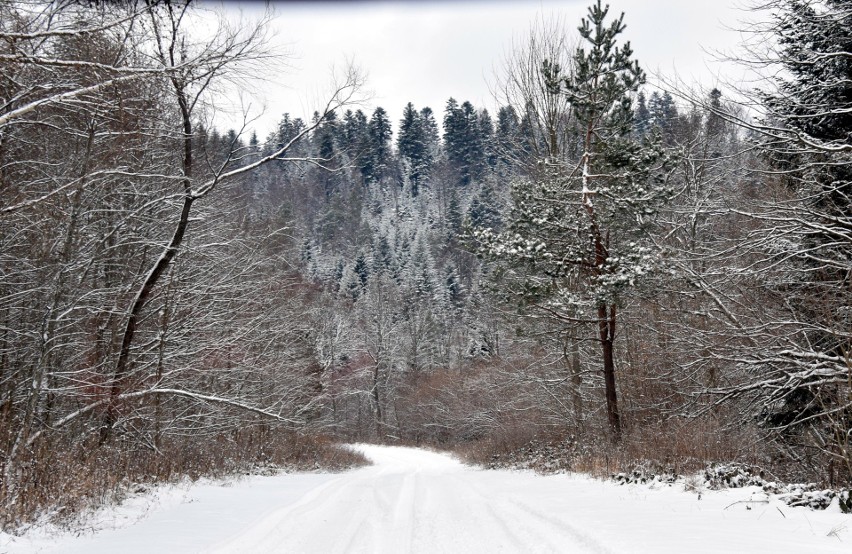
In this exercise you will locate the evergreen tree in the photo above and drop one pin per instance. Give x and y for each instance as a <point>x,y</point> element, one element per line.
<point>806,137</point>
<point>453,287</point>
<point>454,217</point>
<point>361,269</point>
<point>486,134</point>
<point>483,212</point>
<point>376,153</point>
<point>507,137</point>
<point>413,146</point>
<point>715,124</point>
<point>382,255</point>
<point>642,116</point>
<point>430,132</point>
<point>663,113</point>
<point>464,141</point>
<point>576,243</point>
<point>354,128</point>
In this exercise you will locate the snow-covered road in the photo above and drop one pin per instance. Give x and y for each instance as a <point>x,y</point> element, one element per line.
<point>418,501</point>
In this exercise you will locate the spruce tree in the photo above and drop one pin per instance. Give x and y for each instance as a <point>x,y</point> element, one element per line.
<point>464,140</point>
<point>413,146</point>
<point>506,138</point>
<point>806,137</point>
<point>376,153</point>
<point>642,116</point>
<point>663,113</point>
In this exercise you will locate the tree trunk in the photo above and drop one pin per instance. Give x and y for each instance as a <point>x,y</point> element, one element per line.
<point>606,325</point>
<point>377,401</point>
<point>122,366</point>
<point>576,381</point>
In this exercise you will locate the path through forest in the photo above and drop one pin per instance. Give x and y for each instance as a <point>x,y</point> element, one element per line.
<point>413,500</point>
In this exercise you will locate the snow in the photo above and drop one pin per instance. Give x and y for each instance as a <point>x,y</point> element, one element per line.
<point>414,500</point>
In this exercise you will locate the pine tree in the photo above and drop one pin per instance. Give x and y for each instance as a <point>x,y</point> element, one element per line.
<point>575,244</point>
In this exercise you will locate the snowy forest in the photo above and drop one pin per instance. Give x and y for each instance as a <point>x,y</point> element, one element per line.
<point>637,272</point>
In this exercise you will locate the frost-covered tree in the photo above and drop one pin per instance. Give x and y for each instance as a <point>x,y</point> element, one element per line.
<point>576,243</point>
<point>799,364</point>
<point>464,140</point>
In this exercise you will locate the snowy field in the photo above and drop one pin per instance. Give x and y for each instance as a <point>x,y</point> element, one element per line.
<point>418,501</point>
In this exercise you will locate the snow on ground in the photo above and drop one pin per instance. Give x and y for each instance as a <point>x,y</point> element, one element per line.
<point>418,501</point>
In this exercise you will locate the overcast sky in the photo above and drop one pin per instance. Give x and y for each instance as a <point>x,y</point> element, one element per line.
<point>425,52</point>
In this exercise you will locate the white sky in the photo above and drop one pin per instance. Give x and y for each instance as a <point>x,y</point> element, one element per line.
<point>425,52</point>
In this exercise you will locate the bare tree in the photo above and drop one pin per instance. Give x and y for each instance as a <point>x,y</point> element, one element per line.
<point>547,125</point>
<point>100,155</point>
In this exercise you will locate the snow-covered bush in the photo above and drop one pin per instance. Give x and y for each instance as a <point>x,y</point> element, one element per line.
<point>646,472</point>
<point>732,476</point>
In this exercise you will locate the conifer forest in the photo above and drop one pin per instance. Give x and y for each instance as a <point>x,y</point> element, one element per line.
<point>633,272</point>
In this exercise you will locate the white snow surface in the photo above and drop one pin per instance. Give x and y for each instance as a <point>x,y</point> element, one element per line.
<point>413,500</point>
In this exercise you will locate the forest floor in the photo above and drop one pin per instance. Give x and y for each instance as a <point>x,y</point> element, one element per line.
<point>414,500</point>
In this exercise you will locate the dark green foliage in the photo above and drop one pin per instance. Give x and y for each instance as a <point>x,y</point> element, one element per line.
<point>465,137</point>
<point>604,76</point>
<point>816,41</point>
<point>376,153</point>
<point>414,145</point>
<point>486,135</point>
<point>507,138</point>
<point>807,141</point>
<point>454,216</point>
<point>663,113</point>
<point>453,286</point>
<point>382,255</point>
<point>715,124</point>
<point>576,243</point>
<point>361,269</point>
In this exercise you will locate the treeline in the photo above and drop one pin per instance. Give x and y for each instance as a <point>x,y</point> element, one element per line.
<point>385,229</point>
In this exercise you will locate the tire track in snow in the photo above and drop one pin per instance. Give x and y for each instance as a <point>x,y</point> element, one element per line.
<point>410,506</point>
<point>547,529</point>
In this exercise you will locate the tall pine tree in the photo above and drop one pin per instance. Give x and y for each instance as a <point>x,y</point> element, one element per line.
<point>576,244</point>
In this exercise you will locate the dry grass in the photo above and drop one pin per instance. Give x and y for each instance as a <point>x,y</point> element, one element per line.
<point>680,446</point>
<point>60,480</point>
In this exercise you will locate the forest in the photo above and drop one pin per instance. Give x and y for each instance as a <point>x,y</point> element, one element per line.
<point>619,272</point>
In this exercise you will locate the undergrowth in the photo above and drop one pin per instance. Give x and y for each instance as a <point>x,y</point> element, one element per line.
<point>60,481</point>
